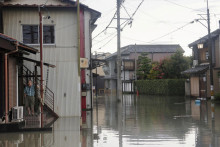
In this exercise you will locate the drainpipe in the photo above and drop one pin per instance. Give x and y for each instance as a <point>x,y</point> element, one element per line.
<point>91,73</point>
<point>6,81</point>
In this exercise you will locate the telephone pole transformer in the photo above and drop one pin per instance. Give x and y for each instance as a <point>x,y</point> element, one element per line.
<point>119,83</point>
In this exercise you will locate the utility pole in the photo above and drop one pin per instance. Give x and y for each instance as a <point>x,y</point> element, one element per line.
<point>119,84</point>
<point>41,64</point>
<point>210,53</point>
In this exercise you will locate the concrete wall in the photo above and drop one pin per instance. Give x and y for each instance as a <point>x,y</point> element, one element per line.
<point>63,80</point>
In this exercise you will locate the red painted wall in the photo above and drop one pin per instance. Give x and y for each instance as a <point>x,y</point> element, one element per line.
<point>82,55</point>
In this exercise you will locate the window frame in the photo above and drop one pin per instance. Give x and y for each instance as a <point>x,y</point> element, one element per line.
<point>129,60</point>
<point>37,44</point>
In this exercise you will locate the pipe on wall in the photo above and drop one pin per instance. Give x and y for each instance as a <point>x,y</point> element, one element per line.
<point>6,81</point>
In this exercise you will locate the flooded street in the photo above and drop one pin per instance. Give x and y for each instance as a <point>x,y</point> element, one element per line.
<point>155,121</point>
<point>136,121</point>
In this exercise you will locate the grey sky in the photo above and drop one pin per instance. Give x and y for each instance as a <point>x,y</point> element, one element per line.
<point>154,22</point>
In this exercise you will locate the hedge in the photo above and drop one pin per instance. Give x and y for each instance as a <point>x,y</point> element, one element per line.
<point>170,87</point>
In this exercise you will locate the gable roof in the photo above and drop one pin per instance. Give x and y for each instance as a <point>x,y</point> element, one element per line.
<point>162,48</point>
<point>205,38</point>
<point>50,3</point>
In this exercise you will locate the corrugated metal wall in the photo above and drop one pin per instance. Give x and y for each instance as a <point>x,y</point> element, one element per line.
<point>63,80</point>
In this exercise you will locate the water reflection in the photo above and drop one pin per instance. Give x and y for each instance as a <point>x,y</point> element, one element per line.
<point>156,121</point>
<point>136,121</point>
<point>66,133</point>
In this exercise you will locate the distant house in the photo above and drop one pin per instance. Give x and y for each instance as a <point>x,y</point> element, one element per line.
<point>20,19</point>
<point>98,72</point>
<point>200,73</point>
<point>129,55</point>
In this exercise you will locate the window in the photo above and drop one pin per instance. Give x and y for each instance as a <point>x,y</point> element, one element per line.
<point>129,65</point>
<point>31,34</point>
<point>207,55</point>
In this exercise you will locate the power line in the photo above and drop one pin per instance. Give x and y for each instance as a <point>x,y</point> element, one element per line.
<point>106,26</point>
<point>172,32</point>
<point>183,6</point>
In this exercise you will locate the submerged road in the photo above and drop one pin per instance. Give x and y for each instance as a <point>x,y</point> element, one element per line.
<point>136,121</point>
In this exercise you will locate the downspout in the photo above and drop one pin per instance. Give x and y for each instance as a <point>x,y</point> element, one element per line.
<point>6,81</point>
<point>91,73</point>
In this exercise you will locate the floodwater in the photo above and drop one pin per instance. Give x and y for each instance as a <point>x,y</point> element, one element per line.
<point>143,121</point>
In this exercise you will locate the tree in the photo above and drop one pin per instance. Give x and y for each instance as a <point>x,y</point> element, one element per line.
<point>175,65</point>
<point>144,66</point>
<point>156,71</point>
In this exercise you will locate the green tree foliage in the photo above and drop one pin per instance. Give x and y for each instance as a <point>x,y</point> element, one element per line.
<point>166,69</point>
<point>144,66</point>
<point>175,65</point>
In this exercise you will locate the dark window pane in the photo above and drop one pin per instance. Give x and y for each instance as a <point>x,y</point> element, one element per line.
<point>48,35</point>
<point>128,65</point>
<point>30,34</point>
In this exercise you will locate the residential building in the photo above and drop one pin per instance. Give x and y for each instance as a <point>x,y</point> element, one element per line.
<point>20,19</point>
<point>129,55</point>
<point>98,72</point>
<point>200,73</point>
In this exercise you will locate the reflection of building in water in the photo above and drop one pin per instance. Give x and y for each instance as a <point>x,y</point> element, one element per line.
<point>207,129</point>
<point>66,133</point>
<point>27,139</point>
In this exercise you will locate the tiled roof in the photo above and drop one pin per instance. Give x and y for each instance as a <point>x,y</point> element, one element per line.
<point>148,49</point>
<point>205,38</point>
<point>197,70</point>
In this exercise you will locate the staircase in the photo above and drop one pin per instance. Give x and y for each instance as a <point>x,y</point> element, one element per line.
<point>49,116</point>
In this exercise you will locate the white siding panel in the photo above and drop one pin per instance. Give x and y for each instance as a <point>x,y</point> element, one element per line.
<point>67,93</point>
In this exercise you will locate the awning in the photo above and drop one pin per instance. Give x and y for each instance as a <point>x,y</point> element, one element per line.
<point>196,70</point>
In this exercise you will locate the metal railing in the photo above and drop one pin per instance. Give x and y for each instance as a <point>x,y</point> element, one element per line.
<point>48,101</point>
<point>48,94</point>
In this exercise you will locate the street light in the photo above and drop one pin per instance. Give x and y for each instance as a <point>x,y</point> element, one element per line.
<point>200,46</point>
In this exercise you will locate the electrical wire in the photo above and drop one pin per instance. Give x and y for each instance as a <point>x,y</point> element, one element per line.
<point>183,6</point>
<point>106,26</point>
<point>171,32</point>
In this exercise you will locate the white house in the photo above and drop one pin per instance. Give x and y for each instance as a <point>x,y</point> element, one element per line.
<point>20,20</point>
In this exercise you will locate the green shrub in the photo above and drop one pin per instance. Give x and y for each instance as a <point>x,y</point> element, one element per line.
<point>161,87</point>
<point>217,96</point>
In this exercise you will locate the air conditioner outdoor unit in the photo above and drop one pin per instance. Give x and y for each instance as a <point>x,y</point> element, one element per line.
<point>195,63</point>
<point>17,113</point>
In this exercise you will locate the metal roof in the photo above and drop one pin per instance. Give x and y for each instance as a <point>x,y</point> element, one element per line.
<point>205,38</point>
<point>159,48</point>
<point>20,45</point>
<point>50,3</point>
<point>196,70</point>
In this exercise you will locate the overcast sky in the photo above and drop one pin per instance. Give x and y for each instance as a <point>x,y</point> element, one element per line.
<point>156,22</point>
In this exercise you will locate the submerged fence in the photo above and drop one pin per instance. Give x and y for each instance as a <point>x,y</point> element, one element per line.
<point>161,87</point>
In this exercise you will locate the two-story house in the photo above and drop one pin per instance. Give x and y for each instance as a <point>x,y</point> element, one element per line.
<point>200,73</point>
<point>20,20</point>
<point>129,55</point>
